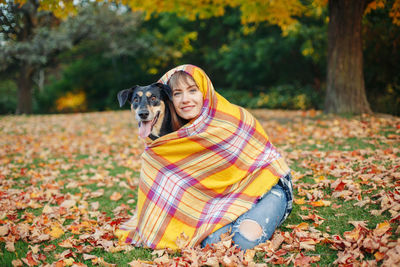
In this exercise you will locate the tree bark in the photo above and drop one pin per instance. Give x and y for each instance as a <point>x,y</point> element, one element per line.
<point>24,78</point>
<point>25,85</point>
<point>345,81</point>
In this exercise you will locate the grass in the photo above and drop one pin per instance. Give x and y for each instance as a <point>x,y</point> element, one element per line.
<point>72,160</point>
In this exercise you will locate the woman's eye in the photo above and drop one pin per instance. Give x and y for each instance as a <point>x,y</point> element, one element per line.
<point>193,90</point>
<point>177,94</point>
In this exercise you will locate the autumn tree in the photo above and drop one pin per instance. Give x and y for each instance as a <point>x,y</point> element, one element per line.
<point>28,42</point>
<point>345,79</point>
<point>33,33</point>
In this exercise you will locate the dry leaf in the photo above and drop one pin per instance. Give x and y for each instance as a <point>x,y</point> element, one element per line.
<point>30,260</point>
<point>3,230</point>
<point>382,228</point>
<point>164,260</point>
<point>115,196</point>
<point>88,257</point>
<point>56,231</point>
<point>10,246</point>
<point>68,203</point>
<point>49,248</point>
<point>320,203</point>
<point>300,201</point>
<point>17,263</point>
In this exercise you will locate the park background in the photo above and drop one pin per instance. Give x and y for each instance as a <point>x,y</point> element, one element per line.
<point>74,56</point>
<point>316,74</point>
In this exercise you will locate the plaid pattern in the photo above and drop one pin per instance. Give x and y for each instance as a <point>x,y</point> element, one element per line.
<point>204,176</point>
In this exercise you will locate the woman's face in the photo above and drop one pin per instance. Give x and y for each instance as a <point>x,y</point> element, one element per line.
<point>187,98</point>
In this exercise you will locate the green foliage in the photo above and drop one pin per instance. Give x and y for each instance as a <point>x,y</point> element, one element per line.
<point>8,96</point>
<point>381,61</point>
<point>255,60</point>
<point>107,47</point>
<point>279,97</point>
<point>30,36</point>
<point>122,56</point>
<point>100,78</point>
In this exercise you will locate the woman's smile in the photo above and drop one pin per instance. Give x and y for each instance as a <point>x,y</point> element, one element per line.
<point>187,108</point>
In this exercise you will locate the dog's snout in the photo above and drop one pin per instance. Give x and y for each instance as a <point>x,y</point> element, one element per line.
<point>143,114</point>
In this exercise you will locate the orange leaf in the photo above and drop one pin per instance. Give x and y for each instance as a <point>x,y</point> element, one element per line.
<point>300,201</point>
<point>75,229</point>
<point>115,196</point>
<point>321,203</point>
<point>56,231</point>
<point>50,247</point>
<point>29,260</point>
<point>66,243</point>
<point>352,236</point>
<point>382,228</point>
<point>302,226</point>
<point>379,255</point>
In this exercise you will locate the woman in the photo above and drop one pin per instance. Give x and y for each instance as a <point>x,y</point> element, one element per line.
<point>217,172</point>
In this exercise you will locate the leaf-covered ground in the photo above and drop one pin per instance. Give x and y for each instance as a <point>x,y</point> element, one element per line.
<point>67,181</point>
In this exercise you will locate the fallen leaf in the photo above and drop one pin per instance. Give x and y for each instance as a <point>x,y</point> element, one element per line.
<point>320,203</point>
<point>56,231</point>
<point>66,243</point>
<point>35,249</point>
<point>88,257</point>
<point>17,263</point>
<point>382,228</point>
<point>300,201</point>
<point>49,248</point>
<point>29,260</point>
<point>115,196</point>
<point>379,256</point>
<point>69,261</point>
<point>100,261</point>
<point>68,203</point>
<point>212,261</point>
<point>10,246</point>
<point>3,230</point>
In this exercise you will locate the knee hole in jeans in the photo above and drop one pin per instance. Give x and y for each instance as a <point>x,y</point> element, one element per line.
<point>250,230</point>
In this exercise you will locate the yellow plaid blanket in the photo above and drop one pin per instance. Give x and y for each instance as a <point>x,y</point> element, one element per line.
<point>203,176</point>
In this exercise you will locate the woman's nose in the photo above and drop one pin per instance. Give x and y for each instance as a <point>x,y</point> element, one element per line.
<point>185,98</point>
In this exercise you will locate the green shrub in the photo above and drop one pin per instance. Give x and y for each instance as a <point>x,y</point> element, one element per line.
<point>8,99</point>
<point>282,96</point>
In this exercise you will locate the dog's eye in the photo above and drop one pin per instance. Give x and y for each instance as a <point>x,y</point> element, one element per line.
<point>153,98</point>
<point>135,100</point>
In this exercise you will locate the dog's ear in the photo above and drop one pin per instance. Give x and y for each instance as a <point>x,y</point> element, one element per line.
<point>125,95</point>
<point>166,89</point>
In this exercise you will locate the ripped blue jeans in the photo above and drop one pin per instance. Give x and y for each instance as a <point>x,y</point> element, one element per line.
<point>256,225</point>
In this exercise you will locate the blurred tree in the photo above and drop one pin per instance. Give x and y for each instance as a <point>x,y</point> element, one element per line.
<point>256,59</point>
<point>19,49</point>
<point>124,54</point>
<point>345,78</point>
<point>30,38</point>
<point>382,61</point>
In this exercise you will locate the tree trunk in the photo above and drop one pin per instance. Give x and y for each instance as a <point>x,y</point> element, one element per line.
<point>345,81</point>
<point>25,85</point>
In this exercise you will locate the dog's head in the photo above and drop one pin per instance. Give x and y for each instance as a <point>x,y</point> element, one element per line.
<point>149,104</point>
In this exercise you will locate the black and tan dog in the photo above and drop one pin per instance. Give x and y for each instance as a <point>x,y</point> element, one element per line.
<point>153,108</point>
